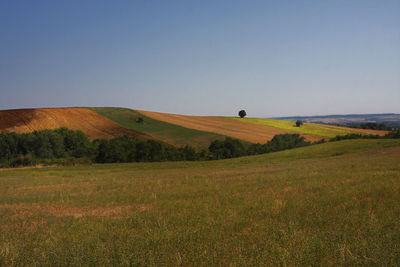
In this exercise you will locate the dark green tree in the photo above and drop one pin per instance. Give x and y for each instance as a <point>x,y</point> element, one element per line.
<point>43,148</point>
<point>229,148</point>
<point>242,113</point>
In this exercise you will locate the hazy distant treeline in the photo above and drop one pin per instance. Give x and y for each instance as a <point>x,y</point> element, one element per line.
<point>390,135</point>
<point>371,126</point>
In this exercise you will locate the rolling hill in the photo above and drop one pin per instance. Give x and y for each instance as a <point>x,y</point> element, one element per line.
<point>255,130</point>
<point>86,120</point>
<point>222,125</point>
<point>161,130</point>
<point>322,130</point>
<point>174,129</point>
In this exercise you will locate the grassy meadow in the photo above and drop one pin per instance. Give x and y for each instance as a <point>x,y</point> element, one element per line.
<point>333,204</point>
<point>169,133</point>
<point>306,128</point>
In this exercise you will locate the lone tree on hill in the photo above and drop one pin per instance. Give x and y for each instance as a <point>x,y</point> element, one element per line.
<point>299,123</point>
<point>242,113</point>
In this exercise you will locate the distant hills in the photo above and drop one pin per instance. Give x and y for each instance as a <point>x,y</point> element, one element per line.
<point>174,129</point>
<point>387,118</point>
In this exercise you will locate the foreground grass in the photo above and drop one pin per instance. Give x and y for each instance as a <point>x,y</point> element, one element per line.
<point>170,133</point>
<point>331,204</point>
<point>306,128</point>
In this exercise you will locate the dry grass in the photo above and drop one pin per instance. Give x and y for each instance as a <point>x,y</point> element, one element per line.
<point>334,204</point>
<point>108,211</point>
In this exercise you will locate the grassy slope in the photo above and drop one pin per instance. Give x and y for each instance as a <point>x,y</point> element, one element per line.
<point>306,128</point>
<point>331,204</point>
<point>170,133</point>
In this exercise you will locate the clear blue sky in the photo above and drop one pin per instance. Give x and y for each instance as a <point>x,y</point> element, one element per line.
<point>271,58</point>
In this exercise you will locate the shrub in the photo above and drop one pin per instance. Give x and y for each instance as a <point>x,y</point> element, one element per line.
<point>242,113</point>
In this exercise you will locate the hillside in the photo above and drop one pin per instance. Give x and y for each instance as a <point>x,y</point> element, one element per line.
<point>86,120</point>
<point>254,130</point>
<point>322,130</point>
<point>333,204</point>
<point>174,129</point>
<point>222,125</point>
<point>164,131</point>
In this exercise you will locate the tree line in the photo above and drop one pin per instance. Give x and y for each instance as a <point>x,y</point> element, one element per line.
<point>391,135</point>
<point>68,146</point>
<point>64,146</point>
<point>371,126</point>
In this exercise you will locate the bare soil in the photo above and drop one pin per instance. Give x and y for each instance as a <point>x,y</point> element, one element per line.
<point>90,122</point>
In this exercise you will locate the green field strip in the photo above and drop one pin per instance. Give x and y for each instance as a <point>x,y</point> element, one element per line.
<point>169,133</point>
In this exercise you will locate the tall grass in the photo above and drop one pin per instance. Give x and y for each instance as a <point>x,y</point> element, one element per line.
<point>334,204</point>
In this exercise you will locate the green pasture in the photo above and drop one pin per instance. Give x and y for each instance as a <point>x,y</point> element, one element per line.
<point>333,204</point>
<point>169,133</point>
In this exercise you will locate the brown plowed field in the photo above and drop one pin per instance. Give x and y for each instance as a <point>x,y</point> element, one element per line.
<point>242,130</point>
<point>86,120</point>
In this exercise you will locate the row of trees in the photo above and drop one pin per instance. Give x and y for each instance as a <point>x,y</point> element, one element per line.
<point>54,145</point>
<point>390,135</point>
<point>64,144</point>
<point>231,148</point>
<point>371,126</point>
<point>30,148</point>
<point>127,149</point>
<point>22,149</point>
